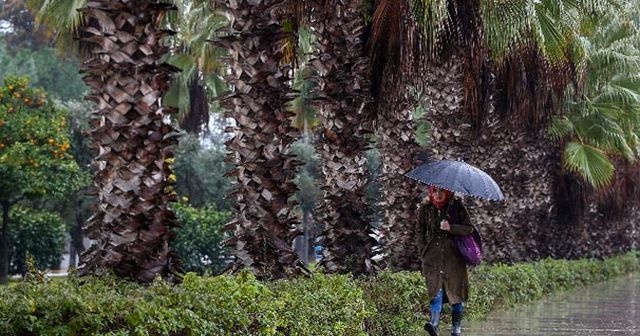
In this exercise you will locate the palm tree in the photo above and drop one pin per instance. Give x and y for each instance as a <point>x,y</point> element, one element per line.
<point>343,90</point>
<point>260,69</point>
<point>603,118</point>
<point>123,64</point>
<point>265,179</point>
<point>132,226</point>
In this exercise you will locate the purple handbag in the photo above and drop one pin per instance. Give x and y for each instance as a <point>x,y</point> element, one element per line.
<point>469,246</point>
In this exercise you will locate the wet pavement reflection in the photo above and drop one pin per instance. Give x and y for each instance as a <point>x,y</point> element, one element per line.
<point>611,308</point>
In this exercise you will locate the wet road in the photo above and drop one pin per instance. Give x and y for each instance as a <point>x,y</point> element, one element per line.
<point>611,308</point>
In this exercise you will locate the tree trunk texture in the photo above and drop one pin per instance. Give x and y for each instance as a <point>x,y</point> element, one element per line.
<point>264,168</point>
<point>132,224</point>
<point>397,70</point>
<point>547,213</point>
<point>442,88</point>
<point>595,224</point>
<point>343,90</point>
<point>400,195</point>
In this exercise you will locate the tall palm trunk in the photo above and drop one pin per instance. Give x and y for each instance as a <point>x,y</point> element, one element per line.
<point>399,195</point>
<point>443,92</point>
<point>265,170</point>
<point>132,225</point>
<point>396,67</point>
<point>344,87</point>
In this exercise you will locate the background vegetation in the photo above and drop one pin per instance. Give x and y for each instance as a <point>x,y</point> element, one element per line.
<point>387,304</point>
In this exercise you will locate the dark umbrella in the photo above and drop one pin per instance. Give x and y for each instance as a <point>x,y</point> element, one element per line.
<point>458,177</point>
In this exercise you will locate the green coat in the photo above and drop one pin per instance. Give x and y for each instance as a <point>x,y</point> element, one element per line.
<point>442,264</point>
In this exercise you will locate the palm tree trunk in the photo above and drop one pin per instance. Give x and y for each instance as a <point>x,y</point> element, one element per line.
<point>132,224</point>
<point>343,90</point>
<point>265,170</point>
<point>442,90</point>
<point>400,195</point>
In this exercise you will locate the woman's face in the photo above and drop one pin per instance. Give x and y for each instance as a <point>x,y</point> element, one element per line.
<point>439,195</point>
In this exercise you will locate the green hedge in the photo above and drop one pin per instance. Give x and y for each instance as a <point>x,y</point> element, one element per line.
<point>388,304</point>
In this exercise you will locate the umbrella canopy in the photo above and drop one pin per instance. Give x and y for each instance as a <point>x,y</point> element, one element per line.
<point>458,177</point>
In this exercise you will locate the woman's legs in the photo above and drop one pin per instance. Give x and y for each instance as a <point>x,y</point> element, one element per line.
<point>436,308</point>
<point>456,318</point>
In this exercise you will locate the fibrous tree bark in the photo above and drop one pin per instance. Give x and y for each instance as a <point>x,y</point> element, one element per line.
<point>342,93</point>
<point>132,225</point>
<point>265,169</point>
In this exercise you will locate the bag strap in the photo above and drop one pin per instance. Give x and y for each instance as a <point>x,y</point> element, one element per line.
<point>453,216</point>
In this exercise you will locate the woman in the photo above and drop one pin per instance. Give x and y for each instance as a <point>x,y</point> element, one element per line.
<point>440,218</point>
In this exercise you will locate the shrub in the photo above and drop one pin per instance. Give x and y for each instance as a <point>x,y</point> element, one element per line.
<point>400,302</point>
<point>387,304</point>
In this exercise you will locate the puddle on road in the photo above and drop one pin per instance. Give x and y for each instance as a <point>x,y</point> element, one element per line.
<point>611,308</point>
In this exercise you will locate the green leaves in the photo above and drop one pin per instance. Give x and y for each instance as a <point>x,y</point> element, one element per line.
<point>34,145</point>
<point>590,162</point>
<point>193,51</point>
<point>561,127</point>
<point>327,305</point>
<point>200,172</point>
<point>433,16</point>
<point>38,233</point>
<point>199,239</point>
<point>603,120</point>
<point>549,24</point>
<point>63,17</point>
<point>59,77</point>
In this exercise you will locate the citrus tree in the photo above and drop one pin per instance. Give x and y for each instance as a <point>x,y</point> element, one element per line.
<point>34,153</point>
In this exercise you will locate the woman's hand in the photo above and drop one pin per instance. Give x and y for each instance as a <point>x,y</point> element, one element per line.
<point>445,226</point>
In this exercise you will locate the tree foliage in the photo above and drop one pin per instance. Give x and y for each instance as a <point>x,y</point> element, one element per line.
<point>603,117</point>
<point>200,80</point>
<point>58,76</point>
<point>35,161</point>
<point>199,240</point>
<point>34,145</point>
<point>41,234</point>
<point>200,173</point>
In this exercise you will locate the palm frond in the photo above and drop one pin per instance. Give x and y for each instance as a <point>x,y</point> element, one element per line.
<point>605,131</point>
<point>196,24</point>
<point>434,18</point>
<point>560,127</point>
<point>386,30</point>
<point>619,94</point>
<point>606,116</point>
<point>589,162</point>
<point>507,25</point>
<point>61,16</point>
<point>178,94</point>
<point>554,30</point>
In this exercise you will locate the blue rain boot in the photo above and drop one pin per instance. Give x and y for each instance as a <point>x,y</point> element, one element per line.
<point>432,326</point>
<point>456,324</point>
